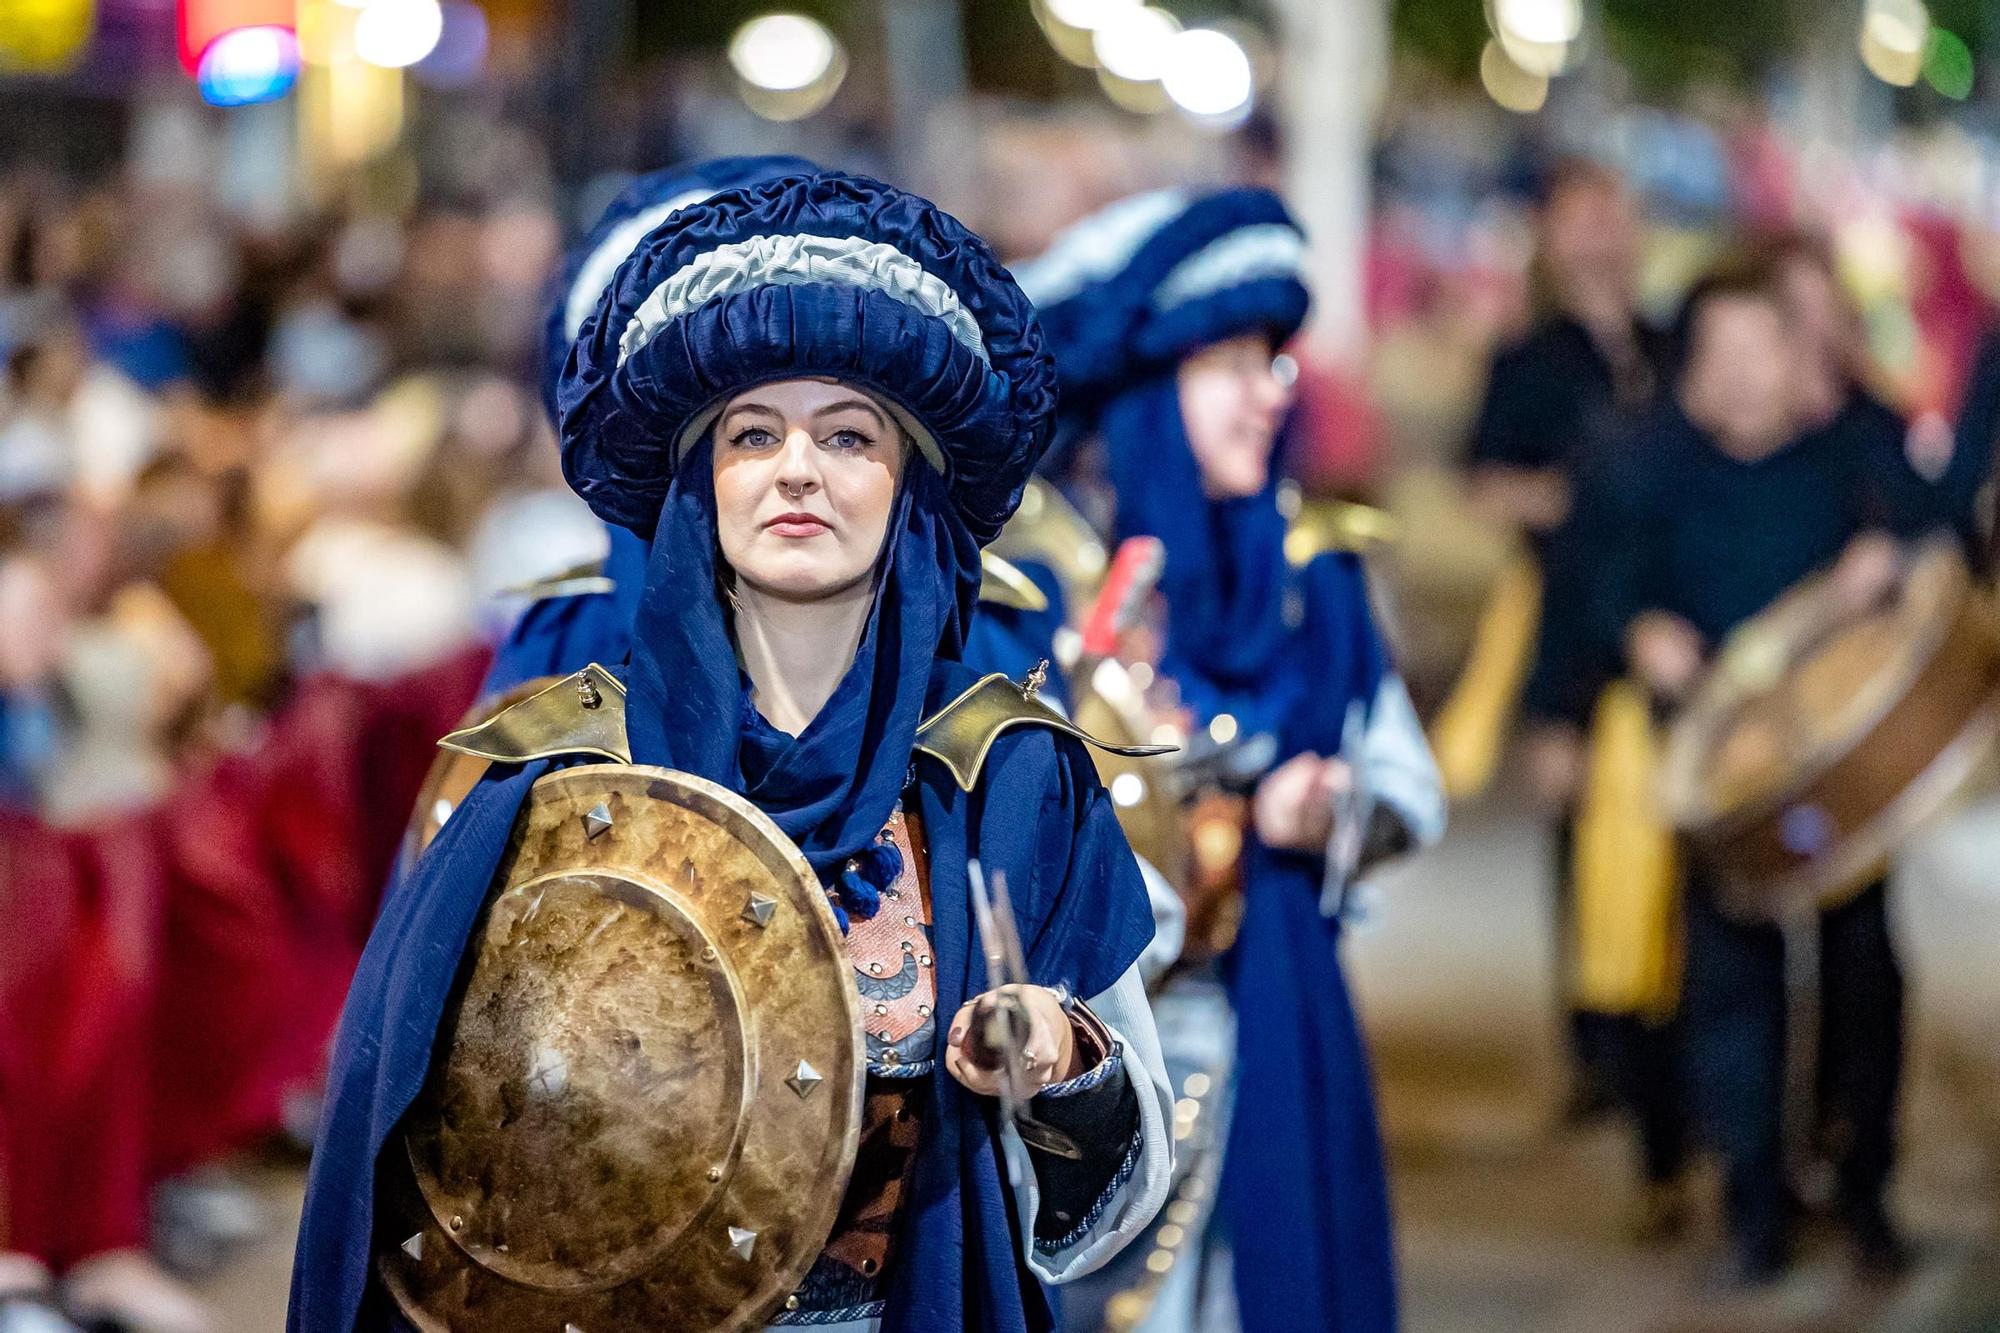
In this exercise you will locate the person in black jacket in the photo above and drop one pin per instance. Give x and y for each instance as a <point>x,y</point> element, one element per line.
<point>1737,488</point>
<point>1586,369</point>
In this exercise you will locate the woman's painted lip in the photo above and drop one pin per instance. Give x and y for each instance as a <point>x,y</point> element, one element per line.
<point>798,525</point>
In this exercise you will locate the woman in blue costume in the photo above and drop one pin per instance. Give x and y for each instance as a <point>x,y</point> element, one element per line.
<point>1166,312</point>
<point>816,398</point>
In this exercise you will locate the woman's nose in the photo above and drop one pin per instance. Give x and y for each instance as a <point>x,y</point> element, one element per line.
<point>1274,391</point>
<point>798,463</point>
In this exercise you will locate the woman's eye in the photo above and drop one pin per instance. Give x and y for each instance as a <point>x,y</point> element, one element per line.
<point>753,437</point>
<point>849,439</point>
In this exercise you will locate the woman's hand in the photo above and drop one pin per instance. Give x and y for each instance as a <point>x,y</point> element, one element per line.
<point>1293,808</point>
<point>1866,570</point>
<point>1050,1047</point>
<point>1666,654</point>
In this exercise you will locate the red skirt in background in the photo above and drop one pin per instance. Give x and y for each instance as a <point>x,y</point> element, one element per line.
<point>80,914</point>
<point>168,981</point>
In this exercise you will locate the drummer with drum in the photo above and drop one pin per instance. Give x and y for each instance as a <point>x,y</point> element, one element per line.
<point>1730,496</point>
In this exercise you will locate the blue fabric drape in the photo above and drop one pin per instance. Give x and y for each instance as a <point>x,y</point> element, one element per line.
<point>1039,817</point>
<point>1304,1159</point>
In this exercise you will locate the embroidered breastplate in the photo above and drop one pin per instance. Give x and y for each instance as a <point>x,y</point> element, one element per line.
<point>895,972</point>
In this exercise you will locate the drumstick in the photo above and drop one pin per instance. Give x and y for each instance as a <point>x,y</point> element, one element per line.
<point>1135,572</point>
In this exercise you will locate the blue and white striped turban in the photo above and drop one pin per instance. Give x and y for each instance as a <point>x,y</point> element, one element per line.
<point>1133,289</point>
<point>810,275</point>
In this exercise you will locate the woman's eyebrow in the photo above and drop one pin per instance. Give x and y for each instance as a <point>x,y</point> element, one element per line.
<point>735,408</point>
<point>853,405</point>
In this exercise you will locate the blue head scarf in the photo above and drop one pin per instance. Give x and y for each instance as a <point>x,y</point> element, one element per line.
<point>784,279</point>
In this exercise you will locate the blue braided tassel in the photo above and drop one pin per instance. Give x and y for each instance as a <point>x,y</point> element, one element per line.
<point>858,887</point>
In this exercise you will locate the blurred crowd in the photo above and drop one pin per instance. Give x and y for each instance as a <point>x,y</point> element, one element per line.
<point>1671,483</point>
<point>263,488</point>
<point>266,484</point>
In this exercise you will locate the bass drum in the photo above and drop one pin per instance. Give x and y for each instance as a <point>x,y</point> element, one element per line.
<point>1831,727</point>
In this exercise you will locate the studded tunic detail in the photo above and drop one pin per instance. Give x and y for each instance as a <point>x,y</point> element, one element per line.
<point>893,966</point>
<point>894,970</point>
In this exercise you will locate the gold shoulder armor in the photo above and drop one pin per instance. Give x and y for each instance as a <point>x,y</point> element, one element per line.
<point>1320,526</point>
<point>1003,585</point>
<point>582,713</point>
<point>960,734</point>
<point>1048,528</point>
<point>587,577</point>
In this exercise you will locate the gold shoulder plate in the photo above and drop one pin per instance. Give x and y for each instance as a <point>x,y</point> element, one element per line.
<point>587,577</point>
<point>583,713</point>
<point>1004,585</point>
<point>960,734</point>
<point>1048,528</point>
<point>1338,525</point>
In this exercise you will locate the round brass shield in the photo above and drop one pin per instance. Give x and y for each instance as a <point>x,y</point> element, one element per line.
<point>647,1092</point>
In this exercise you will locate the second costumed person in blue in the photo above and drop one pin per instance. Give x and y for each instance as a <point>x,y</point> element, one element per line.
<point>1168,312</point>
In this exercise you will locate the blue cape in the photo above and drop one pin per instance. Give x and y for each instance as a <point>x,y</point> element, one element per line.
<point>1039,813</point>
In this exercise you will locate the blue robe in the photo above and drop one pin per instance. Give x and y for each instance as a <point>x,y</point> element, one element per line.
<point>1038,814</point>
<point>1304,1193</point>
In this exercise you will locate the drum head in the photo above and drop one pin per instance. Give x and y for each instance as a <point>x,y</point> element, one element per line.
<point>1794,689</point>
<point>1833,725</point>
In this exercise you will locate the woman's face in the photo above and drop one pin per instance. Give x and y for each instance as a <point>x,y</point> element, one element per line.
<point>805,476</point>
<point>1815,307</point>
<point>1742,375</point>
<point>1234,396</point>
